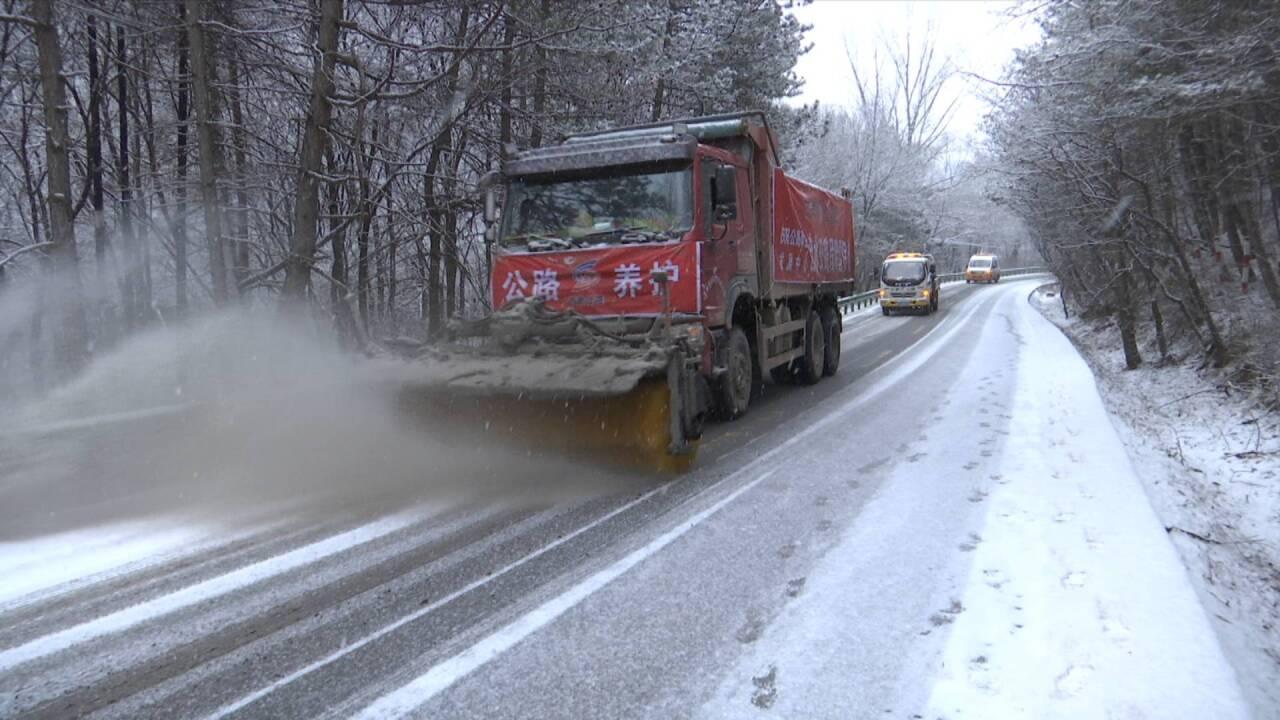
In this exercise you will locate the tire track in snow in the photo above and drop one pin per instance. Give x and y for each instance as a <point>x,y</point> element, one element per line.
<point>126,618</point>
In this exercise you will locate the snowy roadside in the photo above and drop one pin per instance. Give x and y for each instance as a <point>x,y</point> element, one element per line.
<point>1210,466</point>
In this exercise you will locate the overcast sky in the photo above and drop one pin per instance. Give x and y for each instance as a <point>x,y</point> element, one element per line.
<point>978,37</point>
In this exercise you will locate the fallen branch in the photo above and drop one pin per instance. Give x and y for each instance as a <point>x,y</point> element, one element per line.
<point>1172,528</point>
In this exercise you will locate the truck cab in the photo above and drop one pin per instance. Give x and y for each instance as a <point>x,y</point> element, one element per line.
<point>909,283</point>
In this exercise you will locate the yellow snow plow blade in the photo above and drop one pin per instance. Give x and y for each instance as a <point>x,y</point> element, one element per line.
<point>617,413</point>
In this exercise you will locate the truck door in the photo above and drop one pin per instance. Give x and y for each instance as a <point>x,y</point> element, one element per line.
<point>724,214</point>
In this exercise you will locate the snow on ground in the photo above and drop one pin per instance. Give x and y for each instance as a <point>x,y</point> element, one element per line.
<point>1064,599</point>
<point>1077,603</point>
<point>1208,462</point>
<point>214,587</point>
<point>32,568</point>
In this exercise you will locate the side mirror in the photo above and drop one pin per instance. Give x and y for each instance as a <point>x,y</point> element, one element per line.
<point>725,187</point>
<point>490,206</point>
<point>723,213</point>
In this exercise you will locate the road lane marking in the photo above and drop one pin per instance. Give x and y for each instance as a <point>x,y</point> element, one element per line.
<point>443,675</point>
<point>134,615</point>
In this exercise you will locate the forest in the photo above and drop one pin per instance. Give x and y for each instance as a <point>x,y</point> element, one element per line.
<point>1140,144</point>
<point>161,161</point>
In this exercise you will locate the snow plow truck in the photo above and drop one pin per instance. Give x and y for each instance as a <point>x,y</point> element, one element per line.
<point>644,279</point>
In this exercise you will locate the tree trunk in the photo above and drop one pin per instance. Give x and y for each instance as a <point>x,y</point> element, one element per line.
<point>202,93</point>
<point>1161,340</point>
<point>93,141</point>
<point>315,136</point>
<point>659,92</point>
<point>504,112</point>
<point>539,80</point>
<point>180,191</point>
<point>367,211</point>
<point>1128,325</point>
<point>130,291</point>
<point>393,255</point>
<point>240,256</point>
<point>73,336</point>
<point>435,314</point>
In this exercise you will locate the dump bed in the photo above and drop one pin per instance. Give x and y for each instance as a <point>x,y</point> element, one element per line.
<point>812,239</point>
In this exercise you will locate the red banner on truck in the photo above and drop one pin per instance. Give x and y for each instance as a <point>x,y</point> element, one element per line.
<point>812,233</point>
<point>616,280</point>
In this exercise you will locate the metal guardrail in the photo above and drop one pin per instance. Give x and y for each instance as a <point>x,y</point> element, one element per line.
<point>857,301</point>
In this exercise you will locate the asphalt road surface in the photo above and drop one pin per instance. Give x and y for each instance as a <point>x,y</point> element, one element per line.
<point>647,602</point>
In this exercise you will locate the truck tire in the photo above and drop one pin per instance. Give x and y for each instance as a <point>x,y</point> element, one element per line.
<point>831,326</point>
<point>884,310</point>
<point>812,363</point>
<point>733,392</point>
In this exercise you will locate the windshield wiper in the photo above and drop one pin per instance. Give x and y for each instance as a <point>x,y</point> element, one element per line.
<point>541,243</point>
<point>629,235</point>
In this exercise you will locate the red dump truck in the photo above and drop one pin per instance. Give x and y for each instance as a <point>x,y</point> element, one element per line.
<point>644,277</point>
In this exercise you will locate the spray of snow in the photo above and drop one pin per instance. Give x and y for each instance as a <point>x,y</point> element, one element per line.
<point>234,414</point>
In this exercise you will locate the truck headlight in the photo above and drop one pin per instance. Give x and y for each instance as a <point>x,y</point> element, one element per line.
<point>884,293</point>
<point>926,293</point>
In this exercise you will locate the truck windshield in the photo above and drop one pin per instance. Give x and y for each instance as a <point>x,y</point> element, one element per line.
<point>647,205</point>
<point>909,272</point>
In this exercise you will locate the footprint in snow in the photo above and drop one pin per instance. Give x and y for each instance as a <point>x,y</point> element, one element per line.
<point>1117,631</point>
<point>824,525</point>
<point>915,457</point>
<point>986,453</point>
<point>1063,517</point>
<point>971,544</point>
<point>794,587</point>
<point>872,466</point>
<point>977,496</point>
<point>751,630</point>
<point>1074,579</point>
<point>821,500</point>
<point>766,691</point>
<point>1073,679</point>
<point>947,615</point>
<point>787,550</point>
<point>971,465</point>
<point>994,578</point>
<point>984,424</point>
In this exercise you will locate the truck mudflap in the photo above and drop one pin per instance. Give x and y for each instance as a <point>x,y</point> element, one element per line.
<point>637,406</point>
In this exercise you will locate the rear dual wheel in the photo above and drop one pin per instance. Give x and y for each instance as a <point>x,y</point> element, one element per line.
<point>813,363</point>
<point>831,326</point>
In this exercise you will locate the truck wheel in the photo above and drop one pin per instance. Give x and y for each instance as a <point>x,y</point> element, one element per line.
<point>831,326</point>
<point>884,310</point>
<point>733,392</point>
<point>812,363</point>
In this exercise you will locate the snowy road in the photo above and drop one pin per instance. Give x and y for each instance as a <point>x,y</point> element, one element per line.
<point>947,528</point>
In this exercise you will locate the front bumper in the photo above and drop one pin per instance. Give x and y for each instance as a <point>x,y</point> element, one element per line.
<point>894,303</point>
